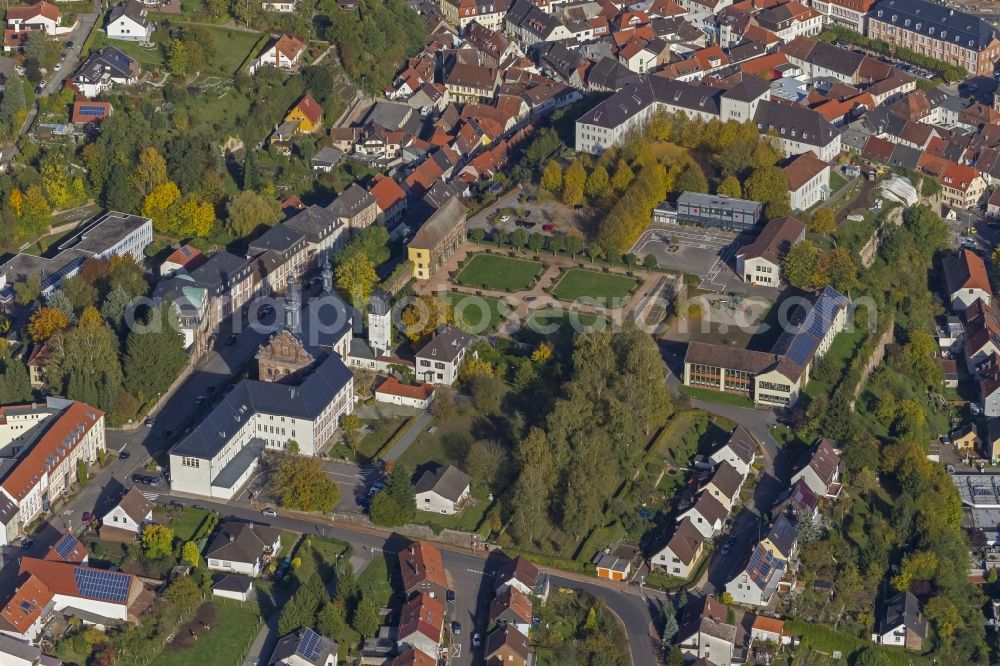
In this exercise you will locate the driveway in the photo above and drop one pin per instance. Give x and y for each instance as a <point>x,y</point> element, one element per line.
<point>69,65</point>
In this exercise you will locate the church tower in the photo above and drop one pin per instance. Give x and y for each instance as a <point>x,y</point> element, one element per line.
<point>293,304</point>
<point>380,322</point>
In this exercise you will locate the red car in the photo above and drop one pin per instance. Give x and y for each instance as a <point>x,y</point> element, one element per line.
<point>548,228</point>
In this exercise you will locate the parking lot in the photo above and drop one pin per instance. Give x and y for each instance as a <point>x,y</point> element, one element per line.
<point>553,215</point>
<point>698,251</point>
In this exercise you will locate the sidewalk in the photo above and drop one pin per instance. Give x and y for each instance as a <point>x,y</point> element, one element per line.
<point>407,438</point>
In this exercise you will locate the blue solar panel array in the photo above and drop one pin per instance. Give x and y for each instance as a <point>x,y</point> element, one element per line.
<point>66,545</point>
<point>92,110</point>
<point>102,585</point>
<point>800,343</point>
<point>311,645</point>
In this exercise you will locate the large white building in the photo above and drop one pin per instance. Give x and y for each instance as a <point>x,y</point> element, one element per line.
<point>112,234</point>
<point>222,452</point>
<point>40,446</point>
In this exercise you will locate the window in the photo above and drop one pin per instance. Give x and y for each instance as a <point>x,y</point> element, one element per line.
<point>191,462</point>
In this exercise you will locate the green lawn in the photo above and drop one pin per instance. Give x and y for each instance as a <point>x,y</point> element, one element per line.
<point>236,624</point>
<point>321,557</point>
<point>843,349</point>
<point>187,522</point>
<point>837,181</point>
<point>716,396</point>
<point>578,283</point>
<point>375,581</point>
<point>490,271</point>
<point>385,429</point>
<point>447,445</point>
<point>474,314</point>
<point>548,321</point>
<point>149,57</point>
<point>468,520</point>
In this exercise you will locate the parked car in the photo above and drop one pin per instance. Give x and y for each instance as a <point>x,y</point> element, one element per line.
<point>526,224</point>
<point>200,399</point>
<point>476,640</point>
<point>270,513</point>
<point>177,503</point>
<point>150,422</point>
<point>726,547</point>
<point>138,478</point>
<point>153,480</point>
<point>232,340</point>
<point>69,44</point>
<point>27,543</point>
<point>548,228</point>
<point>504,219</point>
<point>456,629</point>
<point>450,596</point>
<point>87,516</point>
<point>123,456</point>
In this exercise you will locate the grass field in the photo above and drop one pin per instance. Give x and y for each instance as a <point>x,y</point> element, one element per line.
<point>716,396</point>
<point>489,271</point>
<point>148,57</point>
<point>474,314</point>
<point>543,321</point>
<point>446,446</point>
<point>375,581</point>
<point>235,627</point>
<point>578,283</point>
<point>843,349</point>
<point>187,523</point>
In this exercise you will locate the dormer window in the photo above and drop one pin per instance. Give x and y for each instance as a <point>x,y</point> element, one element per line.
<point>930,30</point>
<point>907,23</point>
<point>917,26</point>
<point>782,131</point>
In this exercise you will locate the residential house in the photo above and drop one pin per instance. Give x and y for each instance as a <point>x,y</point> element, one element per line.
<point>437,239</point>
<point>233,586</point>
<point>423,570</point>
<point>965,439</point>
<point>790,20</point>
<point>444,490</point>
<point>782,539</point>
<point>725,485</point>
<point>21,21</point>
<point>808,180</point>
<point>989,386</point>
<point>759,262</point>
<point>17,653</point>
<point>681,554</point>
<point>768,630</point>
<point>277,255</point>
<point>324,229</point>
<point>507,645</point>
<point>993,204</point>
<point>757,582</point>
<point>37,361</point>
<point>462,13</point>
<point>326,159</point>
<point>962,186</point>
<point>966,279</point>
<point>42,444</point>
<point>414,658</point>
<point>512,607</point>
<point>471,83</point>
<point>129,21</point>
<point>707,514</point>
<point>798,129</point>
<point>307,113</point>
<point>525,576</point>
<point>283,52</point>
<point>421,624</point>
<point>102,70</point>
<point>982,333</point>
<point>704,632</point>
<point>901,622</point>
<point>820,469</point>
<point>243,548</point>
<point>127,518</point>
<point>799,502</point>
<point>739,451</point>
<point>182,260</point>
<point>439,361</point>
<point>304,648</point>
<point>391,201</point>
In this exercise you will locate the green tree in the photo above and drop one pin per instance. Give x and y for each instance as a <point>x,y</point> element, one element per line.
<point>574,245</point>
<point>154,356</point>
<point>13,104</point>
<point>533,487</point>
<point>178,58</point>
<point>556,243</point>
<point>331,620</point>
<point>691,179</point>
<point>769,186</point>
<point>800,264</point>
<point>519,238</point>
<point>157,541</point>
<point>366,618</point>
<point>84,362</point>
<point>15,386</point>
<point>28,290</point>
<point>824,221</point>
<point>300,611</point>
<point>302,485</point>
<point>184,593</point>
<point>248,211</point>
<point>477,235</point>
<point>871,656</point>
<point>536,241</point>
<point>670,627</point>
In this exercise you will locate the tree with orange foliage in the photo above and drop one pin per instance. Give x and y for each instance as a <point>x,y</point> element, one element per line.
<point>45,322</point>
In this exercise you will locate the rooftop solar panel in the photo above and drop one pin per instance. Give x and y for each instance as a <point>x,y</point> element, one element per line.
<point>66,545</point>
<point>802,348</point>
<point>309,646</point>
<point>103,585</point>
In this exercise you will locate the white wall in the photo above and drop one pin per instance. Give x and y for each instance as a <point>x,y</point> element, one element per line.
<point>434,503</point>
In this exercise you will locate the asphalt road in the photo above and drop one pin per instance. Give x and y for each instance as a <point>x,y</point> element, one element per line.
<point>66,68</point>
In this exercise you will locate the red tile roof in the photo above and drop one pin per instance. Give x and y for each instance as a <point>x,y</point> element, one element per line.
<point>421,562</point>
<point>79,117</point>
<point>422,614</point>
<point>41,8</point>
<point>55,444</point>
<point>59,577</point>
<point>769,624</point>
<point>387,192</point>
<point>310,108</point>
<point>802,169</point>
<point>26,605</point>
<point>184,255</point>
<point>288,46</point>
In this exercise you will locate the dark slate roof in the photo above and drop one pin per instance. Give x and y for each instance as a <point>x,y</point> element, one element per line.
<point>307,645</point>
<point>747,90</point>
<point>525,14</point>
<point>241,542</point>
<point>315,223</point>
<point>935,21</point>
<point>610,74</point>
<point>352,201</point>
<point>446,345</point>
<point>109,59</point>
<point>905,156</point>
<point>902,609</point>
<point>234,583</point>
<point>279,238</point>
<point>448,481</point>
<point>249,396</point>
<point>745,51</point>
<point>133,9</point>
<point>635,97</point>
<point>218,269</point>
<point>783,535</point>
<point>798,122</point>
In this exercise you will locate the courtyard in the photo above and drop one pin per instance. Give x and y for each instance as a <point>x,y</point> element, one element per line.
<point>490,271</point>
<point>578,283</point>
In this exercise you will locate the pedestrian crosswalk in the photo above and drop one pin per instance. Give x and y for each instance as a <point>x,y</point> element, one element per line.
<point>149,495</point>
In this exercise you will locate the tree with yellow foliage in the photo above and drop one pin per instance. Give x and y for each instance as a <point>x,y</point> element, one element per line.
<point>542,353</point>
<point>475,367</point>
<point>356,278</point>
<point>424,315</point>
<point>45,322</point>
<point>150,171</point>
<point>195,217</point>
<point>15,200</point>
<point>159,206</point>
